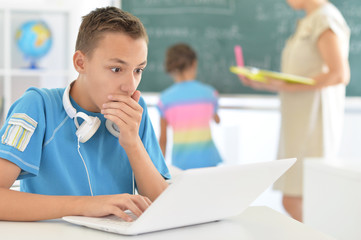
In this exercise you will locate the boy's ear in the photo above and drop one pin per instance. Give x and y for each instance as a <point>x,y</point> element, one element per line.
<point>79,61</point>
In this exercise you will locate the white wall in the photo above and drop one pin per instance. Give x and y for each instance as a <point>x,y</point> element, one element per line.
<point>249,128</point>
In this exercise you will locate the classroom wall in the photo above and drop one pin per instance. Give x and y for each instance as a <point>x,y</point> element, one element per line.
<point>249,129</point>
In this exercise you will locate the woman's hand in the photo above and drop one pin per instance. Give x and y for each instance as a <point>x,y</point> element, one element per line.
<point>276,85</point>
<point>245,81</point>
<point>270,84</point>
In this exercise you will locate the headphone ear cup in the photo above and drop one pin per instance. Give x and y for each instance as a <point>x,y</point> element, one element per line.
<point>90,124</point>
<point>88,128</point>
<point>112,128</point>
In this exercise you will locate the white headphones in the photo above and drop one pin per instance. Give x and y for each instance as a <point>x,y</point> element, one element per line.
<point>90,125</point>
<point>87,129</point>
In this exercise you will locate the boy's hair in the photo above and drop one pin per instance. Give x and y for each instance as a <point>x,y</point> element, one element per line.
<point>179,57</point>
<point>104,20</point>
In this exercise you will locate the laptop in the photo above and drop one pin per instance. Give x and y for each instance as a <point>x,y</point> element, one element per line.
<point>197,196</point>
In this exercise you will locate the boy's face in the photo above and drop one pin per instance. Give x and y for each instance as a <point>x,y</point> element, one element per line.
<point>115,67</point>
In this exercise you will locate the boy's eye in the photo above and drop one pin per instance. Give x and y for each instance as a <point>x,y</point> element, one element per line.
<point>115,69</point>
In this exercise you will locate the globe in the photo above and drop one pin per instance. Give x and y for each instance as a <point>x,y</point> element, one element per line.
<point>34,40</point>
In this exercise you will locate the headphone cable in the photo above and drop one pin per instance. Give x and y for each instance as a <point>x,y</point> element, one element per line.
<point>86,169</point>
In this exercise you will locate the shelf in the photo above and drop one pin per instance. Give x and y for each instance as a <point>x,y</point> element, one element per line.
<point>54,66</point>
<point>34,72</point>
<point>34,7</point>
<point>1,39</point>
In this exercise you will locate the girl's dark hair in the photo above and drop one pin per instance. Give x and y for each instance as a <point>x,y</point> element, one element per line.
<point>179,57</point>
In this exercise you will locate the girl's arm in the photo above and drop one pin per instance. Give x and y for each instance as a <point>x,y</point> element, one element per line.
<point>163,135</point>
<point>216,118</point>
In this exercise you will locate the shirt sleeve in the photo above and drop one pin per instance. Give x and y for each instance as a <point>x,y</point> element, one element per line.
<point>150,142</point>
<point>324,22</point>
<point>23,133</point>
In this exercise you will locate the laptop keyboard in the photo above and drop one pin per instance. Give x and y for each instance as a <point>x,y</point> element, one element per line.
<point>117,221</point>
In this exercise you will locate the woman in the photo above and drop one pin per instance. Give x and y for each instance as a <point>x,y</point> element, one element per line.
<point>311,116</point>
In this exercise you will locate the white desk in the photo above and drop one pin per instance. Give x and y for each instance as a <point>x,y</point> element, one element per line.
<point>332,197</point>
<point>253,224</point>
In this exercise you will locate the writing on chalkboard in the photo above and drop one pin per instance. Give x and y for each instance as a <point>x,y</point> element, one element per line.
<point>214,27</point>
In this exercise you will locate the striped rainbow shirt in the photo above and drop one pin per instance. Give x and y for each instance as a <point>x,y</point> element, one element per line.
<point>188,107</point>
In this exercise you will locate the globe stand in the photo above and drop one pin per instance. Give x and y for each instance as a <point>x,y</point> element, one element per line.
<point>33,65</point>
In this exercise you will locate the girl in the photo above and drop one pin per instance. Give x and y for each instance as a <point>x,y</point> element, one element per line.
<point>188,106</point>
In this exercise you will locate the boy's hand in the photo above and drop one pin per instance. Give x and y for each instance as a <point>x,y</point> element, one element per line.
<point>136,96</point>
<point>126,113</point>
<point>104,205</point>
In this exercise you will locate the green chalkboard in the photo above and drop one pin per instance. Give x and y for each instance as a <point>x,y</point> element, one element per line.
<point>214,27</point>
<point>351,10</point>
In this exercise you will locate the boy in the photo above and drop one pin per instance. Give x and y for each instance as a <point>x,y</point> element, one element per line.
<point>67,169</point>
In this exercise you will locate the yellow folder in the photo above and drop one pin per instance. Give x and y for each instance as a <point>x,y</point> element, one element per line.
<point>261,75</point>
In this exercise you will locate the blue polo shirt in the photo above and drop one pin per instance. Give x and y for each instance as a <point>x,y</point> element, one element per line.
<point>39,137</point>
